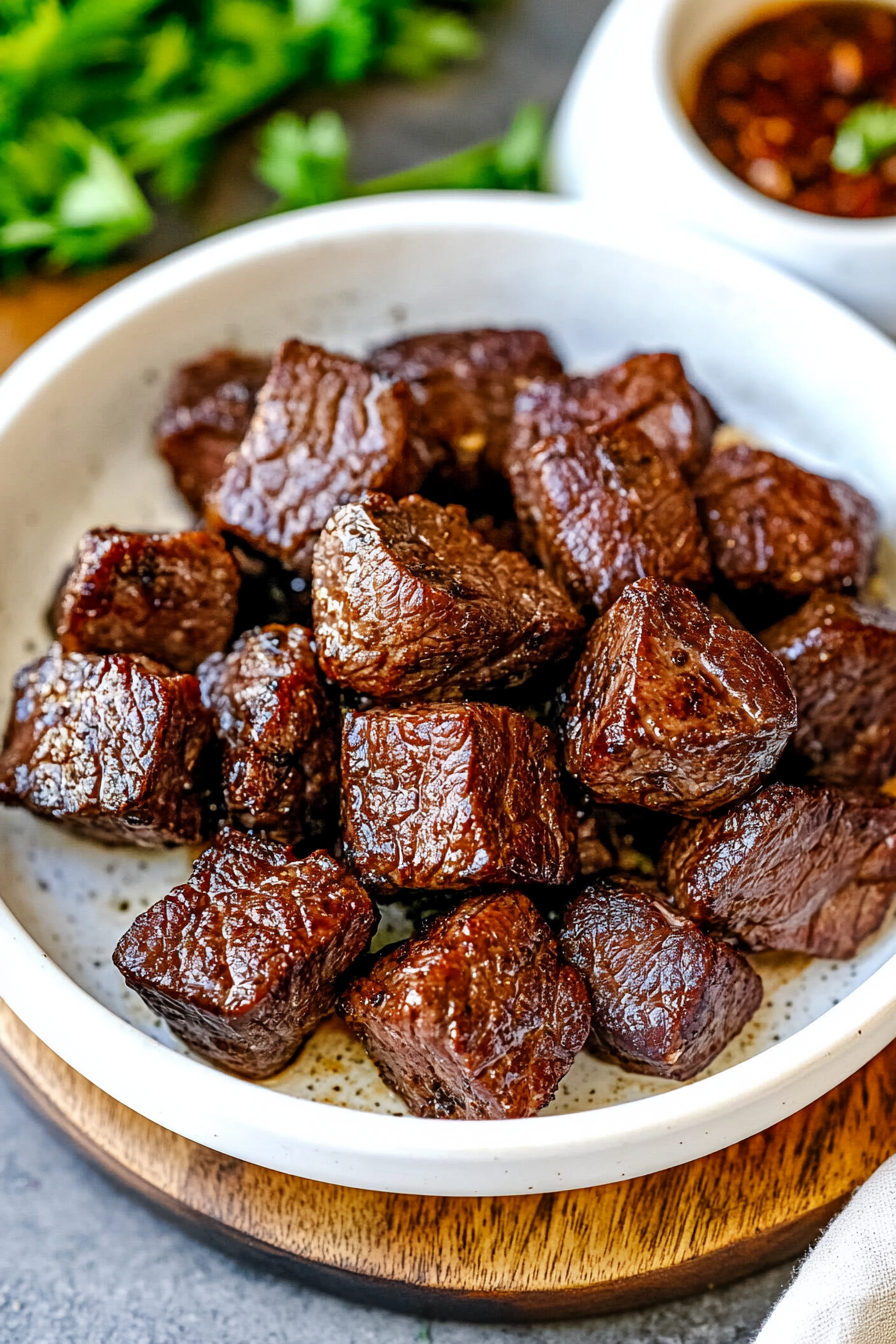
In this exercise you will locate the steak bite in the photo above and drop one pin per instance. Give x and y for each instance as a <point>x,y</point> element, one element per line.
<point>242,960</point>
<point>278,732</point>
<point>409,599</point>
<point>453,796</point>
<point>171,596</point>
<point>463,384</point>
<point>775,527</point>
<point>111,745</point>
<point>602,510</point>
<point>840,656</point>
<point>206,414</point>
<point>649,392</point>
<point>326,428</point>
<point>672,708</point>
<point>801,869</point>
<point>666,998</point>
<point>477,1018</point>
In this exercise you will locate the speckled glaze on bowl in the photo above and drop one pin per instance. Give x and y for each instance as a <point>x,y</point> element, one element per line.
<point>75,451</point>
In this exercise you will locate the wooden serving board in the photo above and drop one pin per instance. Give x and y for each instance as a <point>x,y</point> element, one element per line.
<point>503,1258</point>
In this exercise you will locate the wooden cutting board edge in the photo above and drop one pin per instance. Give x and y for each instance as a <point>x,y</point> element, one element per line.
<point>521,1258</point>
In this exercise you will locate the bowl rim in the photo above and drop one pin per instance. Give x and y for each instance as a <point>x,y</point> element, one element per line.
<point>341,1145</point>
<point>833,228</point>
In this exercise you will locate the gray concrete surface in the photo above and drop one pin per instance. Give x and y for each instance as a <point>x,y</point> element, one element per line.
<point>82,1263</point>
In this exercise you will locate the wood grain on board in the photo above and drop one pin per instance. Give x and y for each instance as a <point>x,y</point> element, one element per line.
<point>497,1258</point>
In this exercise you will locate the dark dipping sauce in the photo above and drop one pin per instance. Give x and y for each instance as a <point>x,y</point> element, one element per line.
<point>771,99</point>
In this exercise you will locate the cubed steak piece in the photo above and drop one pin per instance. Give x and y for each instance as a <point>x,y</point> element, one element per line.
<point>650,392</point>
<point>409,599</point>
<point>801,869</point>
<point>111,745</point>
<point>463,384</point>
<point>672,708</point>
<point>601,510</point>
<point>453,796</point>
<point>325,429</point>
<point>278,730</point>
<point>666,998</point>
<point>242,961</point>
<point>206,414</point>
<point>476,1019</point>
<point>840,656</point>
<point>171,596</point>
<point>774,527</point>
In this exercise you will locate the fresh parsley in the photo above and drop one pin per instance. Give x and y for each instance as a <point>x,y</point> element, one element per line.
<point>866,135</point>
<point>306,162</point>
<point>100,99</point>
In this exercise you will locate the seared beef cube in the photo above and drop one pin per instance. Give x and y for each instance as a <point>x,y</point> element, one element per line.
<point>111,745</point>
<point>409,599</point>
<point>242,960</point>
<point>171,596</point>
<point>802,869</point>
<point>650,392</point>
<point>278,731</point>
<point>326,428</point>
<point>453,796</point>
<point>603,510</point>
<point>666,998</point>
<point>671,708</point>
<point>775,527</point>
<point>840,657</point>
<point>463,384</point>
<point>207,412</point>
<point>477,1019</point>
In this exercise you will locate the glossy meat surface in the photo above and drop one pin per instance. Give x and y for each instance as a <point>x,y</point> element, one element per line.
<point>666,998</point>
<point>410,600</point>
<point>278,731</point>
<point>463,384</point>
<point>207,411</point>
<point>477,1019</point>
<point>326,428</point>
<point>171,596</point>
<point>672,708</point>
<point>601,511</point>
<point>801,869</point>
<point>111,745</point>
<point>452,796</point>
<point>242,960</point>
<point>772,525</point>
<point>840,656</point>
<point>650,392</point>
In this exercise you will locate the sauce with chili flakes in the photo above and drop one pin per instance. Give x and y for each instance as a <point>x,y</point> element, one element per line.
<point>770,100</point>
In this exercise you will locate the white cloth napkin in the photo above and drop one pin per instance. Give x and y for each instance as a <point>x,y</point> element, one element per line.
<point>845,1289</point>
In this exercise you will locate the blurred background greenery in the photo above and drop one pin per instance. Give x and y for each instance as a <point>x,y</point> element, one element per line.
<point>118,116</point>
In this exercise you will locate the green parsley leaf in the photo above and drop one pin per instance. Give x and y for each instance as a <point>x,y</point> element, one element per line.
<point>863,137</point>
<point>68,192</point>
<point>425,39</point>
<point>94,92</point>
<point>304,162</point>
<point>513,163</point>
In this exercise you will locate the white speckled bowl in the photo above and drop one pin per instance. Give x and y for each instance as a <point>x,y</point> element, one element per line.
<point>75,451</point>
<point>622,142</point>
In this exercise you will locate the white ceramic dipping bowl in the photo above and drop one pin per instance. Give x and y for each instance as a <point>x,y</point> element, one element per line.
<point>622,142</point>
<point>76,451</point>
